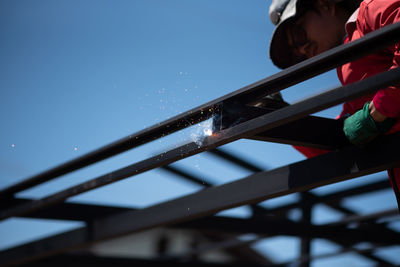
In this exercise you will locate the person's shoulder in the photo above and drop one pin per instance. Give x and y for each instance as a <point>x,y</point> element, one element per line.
<point>378,5</point>
<point>378,13</point>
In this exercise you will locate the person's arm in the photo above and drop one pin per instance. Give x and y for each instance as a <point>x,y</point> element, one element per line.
<point>378,14</point>
<point>379,115</point>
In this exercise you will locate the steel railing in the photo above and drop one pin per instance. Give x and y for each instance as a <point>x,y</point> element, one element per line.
<point>345,163</point>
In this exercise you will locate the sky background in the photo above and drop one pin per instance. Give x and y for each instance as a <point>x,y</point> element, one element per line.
<point>77,75</point>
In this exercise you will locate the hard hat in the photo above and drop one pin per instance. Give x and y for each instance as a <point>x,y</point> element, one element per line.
<point>282,13</point>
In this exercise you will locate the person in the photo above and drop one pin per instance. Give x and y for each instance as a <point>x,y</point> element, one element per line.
<point>306,28</point>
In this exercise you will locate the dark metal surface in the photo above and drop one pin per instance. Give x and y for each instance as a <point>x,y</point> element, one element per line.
<point>70,211</point>
<point>289,125</point>
<point>313,199</point>
<point>254,126</point>
<point>326,169</point>
<point>302,133</point>
<point>333,167</point>
<point>333,198</point>
<point>295,74</point>
<point>84,260</point>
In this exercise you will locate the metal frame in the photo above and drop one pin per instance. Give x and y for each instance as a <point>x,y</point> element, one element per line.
<point>254,126</point>
<point>286,78</point>
<point>344,162</point>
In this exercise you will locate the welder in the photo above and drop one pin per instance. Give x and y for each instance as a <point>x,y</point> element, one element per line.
<point>305,28</point>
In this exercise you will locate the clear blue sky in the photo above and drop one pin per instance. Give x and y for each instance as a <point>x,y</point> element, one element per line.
<point>77,75</point>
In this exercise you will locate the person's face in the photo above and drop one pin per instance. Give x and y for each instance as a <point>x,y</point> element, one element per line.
<point>315,32</point>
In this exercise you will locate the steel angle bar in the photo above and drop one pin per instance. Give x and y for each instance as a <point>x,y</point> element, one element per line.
<point>302,133</point>
<point>366,252</point>
<point>89,213</point>
<point>274,227</point>
<point>329,168</point>
<point>336,197</point>
<point>71,211</point>
<point>313,199</point>
<point>295,74</point>
<point>366,218</point>
<point>84,260</point>
<point>44,247</point>
<point>254,126</point>
<point>335,166</point>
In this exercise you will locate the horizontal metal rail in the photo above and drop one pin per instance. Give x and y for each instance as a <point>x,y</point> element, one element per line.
<point>84,260</point>
<point>302,133</point>
<point>295,74</point>
<point>332,198</point>
<point>364,252</point>
<point>254,126</point>
<point>347,163</point>
<point>71,211</point>
<point>68,211</point>
<point>329,168</point>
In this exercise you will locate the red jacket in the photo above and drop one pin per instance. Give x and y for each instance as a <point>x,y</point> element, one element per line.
<point>372,15</point>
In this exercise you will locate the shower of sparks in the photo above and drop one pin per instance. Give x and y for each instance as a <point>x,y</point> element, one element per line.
<point>202,130</point>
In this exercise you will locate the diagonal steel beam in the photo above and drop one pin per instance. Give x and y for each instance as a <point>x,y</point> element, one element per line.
<point>84,260</point>
<point>70,211</point>
<point>302,133</point>
<point>336,166</point>
<point>84,236</point>
<point>251,127</point>
<point>327,199</point>
<point>307,69</point>
<point>332,199</point>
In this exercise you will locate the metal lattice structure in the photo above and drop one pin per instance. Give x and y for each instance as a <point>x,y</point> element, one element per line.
<point>195,212</point>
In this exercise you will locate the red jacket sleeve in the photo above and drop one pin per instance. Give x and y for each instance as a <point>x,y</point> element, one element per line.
<point>310,152</point>
<point>378,14</point>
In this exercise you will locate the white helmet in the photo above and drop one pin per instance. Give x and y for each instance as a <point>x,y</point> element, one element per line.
<point>282,13</point>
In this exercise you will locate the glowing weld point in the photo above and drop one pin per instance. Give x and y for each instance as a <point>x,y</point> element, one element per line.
<point>208,132</point>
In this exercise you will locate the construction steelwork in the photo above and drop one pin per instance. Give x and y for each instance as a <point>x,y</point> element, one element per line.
<point>195,212</point>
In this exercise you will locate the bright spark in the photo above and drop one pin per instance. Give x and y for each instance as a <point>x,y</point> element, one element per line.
<point>208,132</point>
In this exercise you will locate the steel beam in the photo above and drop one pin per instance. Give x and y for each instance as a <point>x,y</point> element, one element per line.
<point>84,236</point>
<point>70,211</point>
<point>364,252</point>
<point>89,213</point>
<point>313,199</point>
<point>365,218</point>
<point>252,127</point>
<point>84,260</point>
<point>302,133</point>
<point>336,166</point>
<point>332,199</point>
<point>300,72</point>
<point>333,167</point>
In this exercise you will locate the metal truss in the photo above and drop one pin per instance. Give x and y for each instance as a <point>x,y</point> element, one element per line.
<point>197,211</point>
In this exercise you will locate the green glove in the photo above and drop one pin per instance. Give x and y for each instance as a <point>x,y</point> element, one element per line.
<point>360,128</point>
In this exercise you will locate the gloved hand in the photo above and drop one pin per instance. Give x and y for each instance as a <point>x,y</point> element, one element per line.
<point>360,128</point>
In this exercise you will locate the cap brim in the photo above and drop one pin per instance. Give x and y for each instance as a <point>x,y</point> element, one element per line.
<point>281,54</point>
